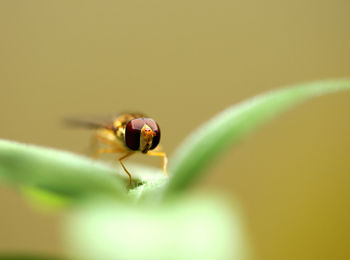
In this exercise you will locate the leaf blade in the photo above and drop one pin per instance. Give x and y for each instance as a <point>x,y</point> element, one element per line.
<point>228,127</point>
<point>57,171</point>
<point>16,256</point>
<point>188,228</point>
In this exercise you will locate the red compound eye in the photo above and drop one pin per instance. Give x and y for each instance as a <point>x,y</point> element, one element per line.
<point>133,132</point>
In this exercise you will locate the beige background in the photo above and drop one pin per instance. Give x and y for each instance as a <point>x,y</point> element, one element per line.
<point>181,62</point>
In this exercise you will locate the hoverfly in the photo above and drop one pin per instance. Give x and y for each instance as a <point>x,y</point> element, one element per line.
<point>127,134</point>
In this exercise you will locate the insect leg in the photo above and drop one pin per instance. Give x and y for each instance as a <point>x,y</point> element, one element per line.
<point>121,163</point>
<point>114,147</point>
<point>104,140</point>
<point>165,159</point>
<point>105,150</point>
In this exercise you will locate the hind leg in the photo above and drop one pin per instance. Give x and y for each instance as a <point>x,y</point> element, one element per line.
<point>105,150</point>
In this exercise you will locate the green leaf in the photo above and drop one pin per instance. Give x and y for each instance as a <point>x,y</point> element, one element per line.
<point>45,200</point>
<point>26,257</point>
<point>57,172</point>
<point>228,127</point>
<point>185,229</point>
<point>150,183</point>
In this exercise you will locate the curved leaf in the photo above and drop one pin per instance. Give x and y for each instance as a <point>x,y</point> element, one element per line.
<point>228,127</point>
<point>58,172</point>
<point>185,229</point>
<point>151,182</point>
<point>16,256</point>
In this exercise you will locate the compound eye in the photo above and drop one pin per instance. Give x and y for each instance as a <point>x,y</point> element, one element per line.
<point>155,128</point>
<point>133,132</point>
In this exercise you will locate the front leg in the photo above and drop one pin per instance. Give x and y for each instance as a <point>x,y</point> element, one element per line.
<point>165,159</point>
<point>122,164</point>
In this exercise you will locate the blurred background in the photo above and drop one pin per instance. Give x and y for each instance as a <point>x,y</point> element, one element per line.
<point>182,62</point>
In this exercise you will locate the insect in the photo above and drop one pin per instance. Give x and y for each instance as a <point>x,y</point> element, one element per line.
<point>127,134</point>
